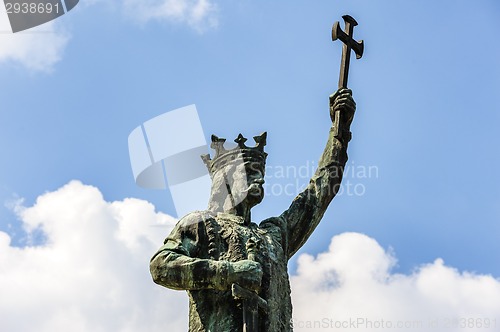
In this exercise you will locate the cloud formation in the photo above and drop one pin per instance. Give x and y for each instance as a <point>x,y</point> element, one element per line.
<point>37,49</point>
<point>91,274</point>
<point>350,287</point>
<point>198,14</point>
<point>40,48</point>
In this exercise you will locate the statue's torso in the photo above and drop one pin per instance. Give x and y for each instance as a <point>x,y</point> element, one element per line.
<point>227,238</point>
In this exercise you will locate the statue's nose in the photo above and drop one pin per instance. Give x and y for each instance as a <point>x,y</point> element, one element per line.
<point>259,181</point>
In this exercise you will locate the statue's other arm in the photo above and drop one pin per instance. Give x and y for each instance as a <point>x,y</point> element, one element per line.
<point>181,262</point>
<point>177,264</point>
<point>307,209</point>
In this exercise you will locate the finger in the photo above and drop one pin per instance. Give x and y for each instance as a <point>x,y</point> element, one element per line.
<point>345,91</point>
<point>333,96</point>
<point>345,109</point>
<point>344,103</point>
<point>345,99</point>
<point>340,92</point>
<point>344,95</point>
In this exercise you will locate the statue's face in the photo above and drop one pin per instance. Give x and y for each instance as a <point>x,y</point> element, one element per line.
<point>246,182</point>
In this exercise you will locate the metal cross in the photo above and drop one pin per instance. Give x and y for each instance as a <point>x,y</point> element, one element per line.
<point>349,44</point>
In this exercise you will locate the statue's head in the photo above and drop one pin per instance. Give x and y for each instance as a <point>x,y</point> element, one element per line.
<point>237,174</point>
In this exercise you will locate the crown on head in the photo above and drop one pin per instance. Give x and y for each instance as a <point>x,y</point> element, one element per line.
<point>241,153</point>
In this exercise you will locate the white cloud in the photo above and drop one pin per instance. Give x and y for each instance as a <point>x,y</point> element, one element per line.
<point>92,275</point>
<point>198,14</point>
<point>38,49</point>
<point>353,280</point>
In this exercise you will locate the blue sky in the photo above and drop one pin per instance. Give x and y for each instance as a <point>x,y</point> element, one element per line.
<point>427,119</point>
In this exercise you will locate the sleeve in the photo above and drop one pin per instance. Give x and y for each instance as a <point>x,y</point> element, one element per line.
<point>180,263</point>
<point>307,209</point>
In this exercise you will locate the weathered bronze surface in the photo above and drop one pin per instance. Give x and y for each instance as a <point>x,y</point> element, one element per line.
<point>234,270</point>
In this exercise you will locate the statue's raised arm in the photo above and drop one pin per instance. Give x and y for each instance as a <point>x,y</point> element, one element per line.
<point>234,270</point>
<point>307,209</point>
<point>225,260</point>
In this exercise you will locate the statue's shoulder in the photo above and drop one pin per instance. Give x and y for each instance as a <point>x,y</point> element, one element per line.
<point>272,223</point>
<point>276,227</point>
<point>194,219</point>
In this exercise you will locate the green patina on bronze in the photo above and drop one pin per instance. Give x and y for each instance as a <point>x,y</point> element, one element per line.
<point>234,270</point>
<point>209,251</point>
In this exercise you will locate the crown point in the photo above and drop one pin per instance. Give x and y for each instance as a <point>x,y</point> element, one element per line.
<point>248,154</point>
<point>206,159</point>
<point>240,140</point>
<point>261,140</point>
<point>216,139</point>
<point>218,144</point>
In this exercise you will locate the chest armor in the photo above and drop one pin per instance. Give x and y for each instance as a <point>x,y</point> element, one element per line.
<point>230,238</point>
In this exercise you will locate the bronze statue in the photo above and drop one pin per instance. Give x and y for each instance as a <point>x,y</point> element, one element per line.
<point>234,270</point>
